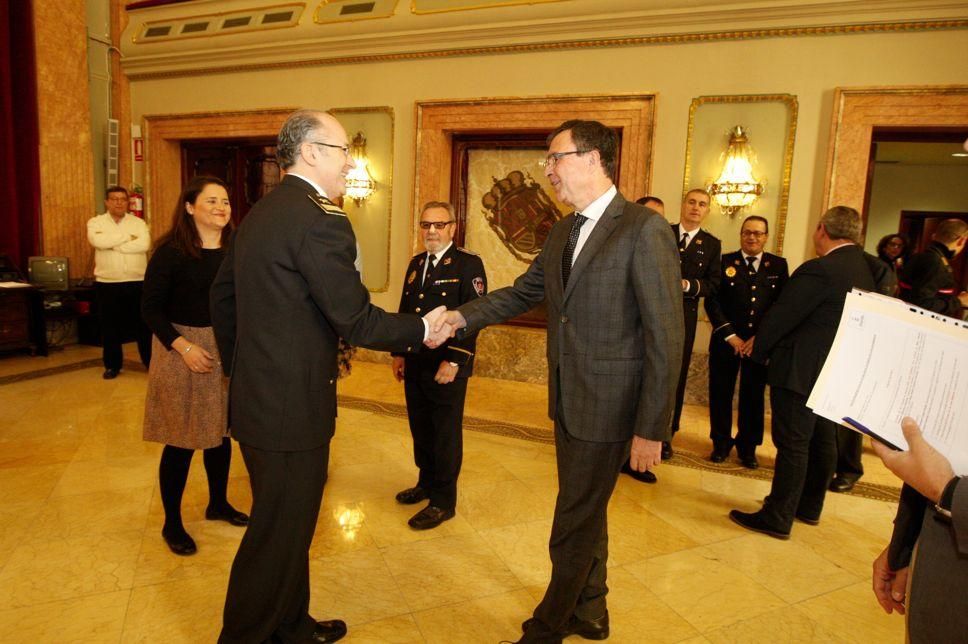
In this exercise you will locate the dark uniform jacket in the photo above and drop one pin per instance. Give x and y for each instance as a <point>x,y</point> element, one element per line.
<point>700,265</point>
<point>742,299</point>
<point>927,281</point>
<point>285,294</point>
<point>458,278</point>
<point>799,329</point>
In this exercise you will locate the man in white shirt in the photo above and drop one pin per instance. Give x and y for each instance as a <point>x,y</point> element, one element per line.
<point>121,242</point>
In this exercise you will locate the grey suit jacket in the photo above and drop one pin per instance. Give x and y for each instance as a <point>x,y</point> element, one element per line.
<point>615,335</point>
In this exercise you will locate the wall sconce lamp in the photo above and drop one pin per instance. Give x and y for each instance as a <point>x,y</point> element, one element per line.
<point>736,188</point>
<point>359,184</point>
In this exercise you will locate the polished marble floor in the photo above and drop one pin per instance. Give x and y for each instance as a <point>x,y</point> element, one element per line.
<point>81,557</point>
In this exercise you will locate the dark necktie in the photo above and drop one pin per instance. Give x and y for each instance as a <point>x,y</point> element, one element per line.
<point>751,261</point>
<point>684,241</point>
<point>431,265</point>
<point>569,252</point>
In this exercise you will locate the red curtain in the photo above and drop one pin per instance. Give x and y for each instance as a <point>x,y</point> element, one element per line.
<point>19,140</point>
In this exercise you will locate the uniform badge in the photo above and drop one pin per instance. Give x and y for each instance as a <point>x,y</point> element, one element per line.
<point>411,277</point>
<point>698,242</point>
<point>478,283</point>
<point>448,261</point>
<point>766,263</point>
<point>736,261</point>
<point>326,205</point>
<point>730,271</point>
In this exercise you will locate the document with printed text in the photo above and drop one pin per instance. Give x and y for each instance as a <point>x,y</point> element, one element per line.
<point>890,360</point>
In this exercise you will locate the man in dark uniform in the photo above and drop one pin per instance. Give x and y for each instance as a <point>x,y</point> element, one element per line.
<point>751,282</point>
<point>927,281</point>
<point>435,380</point>
<point>796,336</point>
<point>284,295</point>
<point>699,260</point>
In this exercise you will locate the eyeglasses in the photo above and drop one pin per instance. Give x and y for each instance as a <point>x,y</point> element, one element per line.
<point>752,233</point>
<point>552,159</point>
<point>439,225</point>
<point>344,148</point>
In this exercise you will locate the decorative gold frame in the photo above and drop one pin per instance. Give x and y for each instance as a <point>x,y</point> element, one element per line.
<point>793,110</point>
<point>316,20</point>
<point>387,185</point>
<point>138,37</point>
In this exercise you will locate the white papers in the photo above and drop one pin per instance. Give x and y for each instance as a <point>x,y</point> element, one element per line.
<point>14,285</point>
<point>891,360</point>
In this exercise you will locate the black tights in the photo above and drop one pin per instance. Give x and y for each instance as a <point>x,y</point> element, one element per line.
<point>173,472</point>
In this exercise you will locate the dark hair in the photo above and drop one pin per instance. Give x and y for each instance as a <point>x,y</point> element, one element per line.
<point>591,135</point>
<point>886,239</point>
<point>107,193</point>
<point>183,235</point>
<point>647,198</point>
<point>756,218</point>
<point>295,131</point>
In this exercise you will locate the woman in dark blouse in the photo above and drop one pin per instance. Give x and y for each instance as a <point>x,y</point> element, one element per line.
<point>186,404</point>
<point>894,250</point>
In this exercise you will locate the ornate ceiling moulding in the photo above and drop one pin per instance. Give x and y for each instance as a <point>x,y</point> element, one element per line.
<point>238,64</point>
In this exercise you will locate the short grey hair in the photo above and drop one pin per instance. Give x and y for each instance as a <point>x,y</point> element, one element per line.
<point>949,231</point>
<point>842,222</point>
<point>439,204</point>
<point>297,129</point>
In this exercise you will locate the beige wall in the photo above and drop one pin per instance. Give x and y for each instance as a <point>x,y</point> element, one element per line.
<point>808,67</point>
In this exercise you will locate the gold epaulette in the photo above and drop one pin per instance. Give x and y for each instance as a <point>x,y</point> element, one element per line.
<point>326,205</point>
<point>464,250</point>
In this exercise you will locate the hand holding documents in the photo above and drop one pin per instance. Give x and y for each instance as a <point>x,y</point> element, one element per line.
<point>891,360</point>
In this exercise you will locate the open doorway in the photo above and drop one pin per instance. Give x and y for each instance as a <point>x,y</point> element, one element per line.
<point>247,166</point>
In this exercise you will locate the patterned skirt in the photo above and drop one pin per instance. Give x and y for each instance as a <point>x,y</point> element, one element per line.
<point>182,408</point>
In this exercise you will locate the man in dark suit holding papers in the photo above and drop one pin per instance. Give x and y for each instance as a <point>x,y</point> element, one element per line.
<point>795,337</point>
<point>932,514</point>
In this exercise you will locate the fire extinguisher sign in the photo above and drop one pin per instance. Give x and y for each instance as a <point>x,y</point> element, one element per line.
<point>138,145</point>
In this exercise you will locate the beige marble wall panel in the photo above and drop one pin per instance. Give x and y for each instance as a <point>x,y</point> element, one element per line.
<point>857,111</point>
<point>67,197</point>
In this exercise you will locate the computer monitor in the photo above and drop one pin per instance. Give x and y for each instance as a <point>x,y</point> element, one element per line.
<point>50,273</point>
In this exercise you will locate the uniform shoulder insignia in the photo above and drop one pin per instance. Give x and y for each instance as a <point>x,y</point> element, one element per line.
<point>326,205</point>
<point>464,250</point>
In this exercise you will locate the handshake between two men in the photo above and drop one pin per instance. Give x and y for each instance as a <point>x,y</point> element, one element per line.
<point>442,325</point>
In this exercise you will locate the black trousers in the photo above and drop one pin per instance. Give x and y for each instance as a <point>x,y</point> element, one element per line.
<point>724,365</point>
<point>850,445</point>
<point>436,414</point>
<point>119,308</point>
<point>268,593</point>
<point>587,473</point>
<point>690,312</point>
<point>806,454</point>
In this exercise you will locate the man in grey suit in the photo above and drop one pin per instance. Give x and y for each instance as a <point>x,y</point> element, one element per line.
<point>933,515</point>
<point>609,275</point>
<point>284,295</point>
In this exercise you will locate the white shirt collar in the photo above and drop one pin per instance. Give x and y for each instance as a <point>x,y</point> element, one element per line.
<point>692,233</point>
<point>596,209</point>
<point>315,185</point>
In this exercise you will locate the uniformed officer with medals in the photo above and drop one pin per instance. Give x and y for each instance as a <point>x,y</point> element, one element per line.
<point>751,282</point>
<point>435,381</point>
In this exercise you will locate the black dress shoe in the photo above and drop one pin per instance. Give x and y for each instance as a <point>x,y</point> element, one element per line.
<point>842,484</point>
<point>720,453</point>
<point>179,542</point>
<point>642,477</point>
<point>110,374</point>
<point>329,631</point>
<point>754,521</point>
<point>595,629</point>
<point>430,517</point>
<point>808,520</point>
<point>412,495</point>
<point>666,450</point>
<point>228,514</point>
<point>748,460</point>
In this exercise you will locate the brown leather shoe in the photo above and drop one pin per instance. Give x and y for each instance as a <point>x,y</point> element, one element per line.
<point>430,517</point>
<point>412,495</point>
